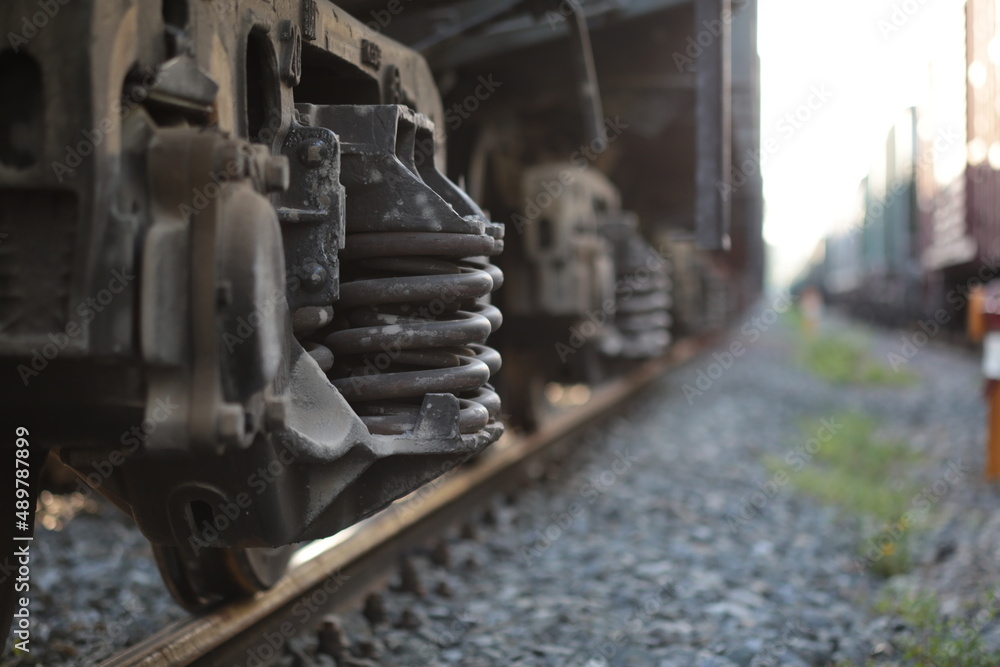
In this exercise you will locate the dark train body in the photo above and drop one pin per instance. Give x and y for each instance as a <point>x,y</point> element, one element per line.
<point>926,227</point>
<point>250,250</point>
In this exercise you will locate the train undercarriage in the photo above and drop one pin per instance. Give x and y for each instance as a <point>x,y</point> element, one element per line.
<point>250,257</point>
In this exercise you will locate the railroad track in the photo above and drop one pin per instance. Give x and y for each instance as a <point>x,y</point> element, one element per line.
<point>332,575</point>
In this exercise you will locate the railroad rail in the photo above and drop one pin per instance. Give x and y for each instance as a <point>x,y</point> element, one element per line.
<point>333,574</point>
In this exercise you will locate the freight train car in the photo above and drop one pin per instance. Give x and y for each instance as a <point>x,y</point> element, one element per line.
<point>927,228</point>
<point>250,250</point>
<point>869,262</point>
<point>961,233</point>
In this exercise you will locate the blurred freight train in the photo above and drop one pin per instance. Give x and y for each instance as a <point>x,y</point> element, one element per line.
<point>251,249</point>
<point>926,225</point>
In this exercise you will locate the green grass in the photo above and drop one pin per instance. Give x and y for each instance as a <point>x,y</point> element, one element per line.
<point>936,640</point>
<point>843,359</point>
<point>854,470</point>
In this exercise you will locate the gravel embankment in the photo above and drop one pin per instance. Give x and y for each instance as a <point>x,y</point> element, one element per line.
<point>649,547</point>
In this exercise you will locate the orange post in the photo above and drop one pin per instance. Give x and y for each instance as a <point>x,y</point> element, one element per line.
<point>983,323</point>
<point>975,320</point>
<point>993,433</point>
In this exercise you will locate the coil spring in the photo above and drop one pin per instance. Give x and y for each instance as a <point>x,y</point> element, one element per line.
<point>644,316</point>
<point>411,320</point>
<point>643,288</point>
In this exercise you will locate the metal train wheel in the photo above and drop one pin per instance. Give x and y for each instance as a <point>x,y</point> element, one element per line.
<point>211,576</point>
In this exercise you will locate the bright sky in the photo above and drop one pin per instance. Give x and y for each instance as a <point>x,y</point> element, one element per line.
<point>851,53</point>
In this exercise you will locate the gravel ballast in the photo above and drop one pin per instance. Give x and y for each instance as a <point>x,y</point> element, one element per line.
<point>664,540</point>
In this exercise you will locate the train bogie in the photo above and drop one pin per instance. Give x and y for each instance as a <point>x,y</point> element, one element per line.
<point>246,255</point>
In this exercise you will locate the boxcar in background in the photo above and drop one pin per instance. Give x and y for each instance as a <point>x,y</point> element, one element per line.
<point>928,228</point>
<point>983,127</point>
<point>869,263</point>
